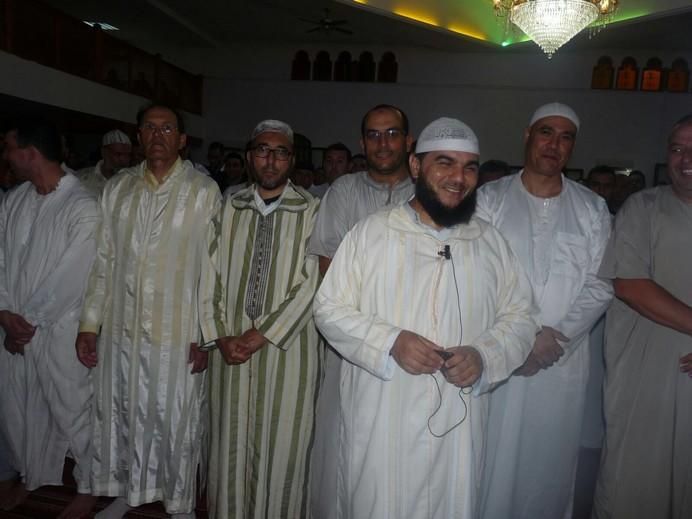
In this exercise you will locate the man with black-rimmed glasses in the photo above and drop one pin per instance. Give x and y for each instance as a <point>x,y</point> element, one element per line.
<point>258,304</point>
<point>385,140</point>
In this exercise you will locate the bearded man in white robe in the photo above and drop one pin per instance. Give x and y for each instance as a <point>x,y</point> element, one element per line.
<point>47,246</point>
<point>559,230</point>
<point>149,380</point>
<point>430,309</point>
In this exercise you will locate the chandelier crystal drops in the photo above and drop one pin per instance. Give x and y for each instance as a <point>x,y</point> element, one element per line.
<point>552,23</point>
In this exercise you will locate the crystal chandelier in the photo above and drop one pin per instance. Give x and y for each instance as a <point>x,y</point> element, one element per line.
<point>552,23</point>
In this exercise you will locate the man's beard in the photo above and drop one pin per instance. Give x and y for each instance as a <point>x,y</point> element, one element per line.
<point>440,213</point>
<point>273,182</point>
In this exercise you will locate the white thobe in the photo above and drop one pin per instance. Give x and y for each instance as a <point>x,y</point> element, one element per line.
<point>149,410</point>
<point>535,422</point>
<point>349,199</point>
<point>47,246</point>
<point>387,276</point>
<point>92,178</point>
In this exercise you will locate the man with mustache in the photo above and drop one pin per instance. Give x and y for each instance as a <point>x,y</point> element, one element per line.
<point>558,229</point>
<point>139,328</point>
<point>430,309</point>
<point>386,140</point>
<point>264,376</point>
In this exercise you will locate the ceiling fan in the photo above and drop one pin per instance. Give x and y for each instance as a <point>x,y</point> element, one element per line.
<point>326,24</point>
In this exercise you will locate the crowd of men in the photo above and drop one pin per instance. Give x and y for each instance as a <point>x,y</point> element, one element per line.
<point>397,343</point>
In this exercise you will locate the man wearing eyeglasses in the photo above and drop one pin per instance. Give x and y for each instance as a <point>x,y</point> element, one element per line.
<point>149,385</point>
<point>386,141</point>
<point>264,376</point>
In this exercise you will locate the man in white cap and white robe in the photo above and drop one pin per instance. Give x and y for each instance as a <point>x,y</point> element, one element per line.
<point>559,230</point>
<point>430,309</point>
<point>116,150</point>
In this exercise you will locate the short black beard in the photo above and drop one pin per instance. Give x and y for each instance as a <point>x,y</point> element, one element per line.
<point>442,215</point>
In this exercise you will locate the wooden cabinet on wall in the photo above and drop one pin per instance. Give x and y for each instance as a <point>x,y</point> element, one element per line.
<point>627,74</point>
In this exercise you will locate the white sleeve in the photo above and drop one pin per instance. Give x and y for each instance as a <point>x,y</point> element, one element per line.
<point>364,340</point>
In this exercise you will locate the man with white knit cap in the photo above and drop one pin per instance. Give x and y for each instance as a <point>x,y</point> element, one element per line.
<point>558,229</point>
<point>116,150</point>
<point>257,302</point>
<point>430,309</point>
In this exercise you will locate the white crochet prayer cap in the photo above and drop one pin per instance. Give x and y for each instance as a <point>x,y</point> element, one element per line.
<point>115,137</point>
<point>272,125</point>
<point>447,134</point>
<point>555,109</point>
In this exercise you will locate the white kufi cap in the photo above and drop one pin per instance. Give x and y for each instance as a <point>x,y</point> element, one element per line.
<point>555,110</point>
<point>115,137</point>
<point>447,134</point>
<point>272,125</point>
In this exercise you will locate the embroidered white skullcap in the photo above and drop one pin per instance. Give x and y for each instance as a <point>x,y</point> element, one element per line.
<point>115,137</point>
<point>555,109</point>
<point>272,125</point>
<point>447,134</point>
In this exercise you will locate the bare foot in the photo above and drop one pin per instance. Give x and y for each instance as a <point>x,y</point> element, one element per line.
<point>80,507</point>
<point>15,497</point>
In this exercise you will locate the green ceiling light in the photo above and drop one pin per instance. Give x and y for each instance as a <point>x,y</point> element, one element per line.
<point>552,23</point>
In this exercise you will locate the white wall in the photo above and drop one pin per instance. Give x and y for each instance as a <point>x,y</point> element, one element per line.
<point>495,93</point>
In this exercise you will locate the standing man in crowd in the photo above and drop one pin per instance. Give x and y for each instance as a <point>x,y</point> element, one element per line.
<point>234,174</point>
<point>646,465</point>
<point>386,141</point>
<point>336,161</point>
<point>142,296</point>
<point>358,163</point>
<point>47,245</point>
<point>559,230</point>
<point>264,376</point>
<point>116,152</point>
<point>431,309</point>
<point>215,155</point>
<point>601,180</point>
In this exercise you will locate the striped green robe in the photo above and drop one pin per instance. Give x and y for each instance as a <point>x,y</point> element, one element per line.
<point>262,412</point>
<point>148,411</point>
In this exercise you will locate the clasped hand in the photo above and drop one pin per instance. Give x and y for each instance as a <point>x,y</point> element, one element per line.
<point>417,355</point>
<point>18,332</point>
<point>238,349</point>
<point>546,352</point>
